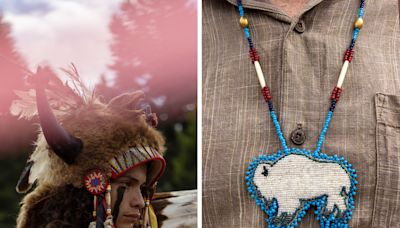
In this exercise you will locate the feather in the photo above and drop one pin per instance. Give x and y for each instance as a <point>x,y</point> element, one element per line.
<point>62,97</point>
<point>80,88</point>
<point>25,106</point>
<point>176,209</point>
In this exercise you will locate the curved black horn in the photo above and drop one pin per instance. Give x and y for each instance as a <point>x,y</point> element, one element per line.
<point>61,142</point>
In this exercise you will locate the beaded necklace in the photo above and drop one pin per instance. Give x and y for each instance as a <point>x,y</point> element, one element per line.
<point>287,183</point>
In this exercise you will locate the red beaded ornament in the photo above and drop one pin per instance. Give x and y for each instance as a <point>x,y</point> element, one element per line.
<point>266,93</point>
<point>336,94</point>
<point>95,182</point>
<point>254,55</point>
<point>348,55</point>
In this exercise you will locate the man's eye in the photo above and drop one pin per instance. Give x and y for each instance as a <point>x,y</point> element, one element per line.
<point>125,184</point>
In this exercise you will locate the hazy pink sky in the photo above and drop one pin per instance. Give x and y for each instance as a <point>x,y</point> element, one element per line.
<point>64,31</point>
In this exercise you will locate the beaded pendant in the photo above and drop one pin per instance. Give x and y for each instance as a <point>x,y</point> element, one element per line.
<point>286,184</point>
<point>95,182</point>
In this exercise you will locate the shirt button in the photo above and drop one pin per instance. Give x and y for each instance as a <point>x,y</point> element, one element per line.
<point>300,26</point>
<point>298,136</point>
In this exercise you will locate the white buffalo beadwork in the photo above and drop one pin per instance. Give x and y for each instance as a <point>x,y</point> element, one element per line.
<point>286,185</point>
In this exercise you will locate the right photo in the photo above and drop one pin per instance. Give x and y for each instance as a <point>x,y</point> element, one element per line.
<point>300,113</point>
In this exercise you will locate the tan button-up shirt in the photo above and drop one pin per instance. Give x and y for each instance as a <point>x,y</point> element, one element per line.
<point>301,59</point>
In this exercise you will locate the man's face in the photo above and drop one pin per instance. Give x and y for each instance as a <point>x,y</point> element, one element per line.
<point>132,200</point>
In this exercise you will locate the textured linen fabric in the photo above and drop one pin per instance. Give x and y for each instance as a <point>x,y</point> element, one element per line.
<point>301,65</point>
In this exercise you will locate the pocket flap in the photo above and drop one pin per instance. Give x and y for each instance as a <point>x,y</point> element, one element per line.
<point>388,109</point>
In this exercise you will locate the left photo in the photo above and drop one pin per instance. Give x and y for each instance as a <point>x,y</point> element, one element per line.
<point>98,114</point>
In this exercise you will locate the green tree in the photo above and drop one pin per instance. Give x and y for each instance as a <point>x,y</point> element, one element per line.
<point>15,135</point>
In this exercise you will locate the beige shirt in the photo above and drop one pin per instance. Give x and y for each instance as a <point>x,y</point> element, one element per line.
<point>301,59</point>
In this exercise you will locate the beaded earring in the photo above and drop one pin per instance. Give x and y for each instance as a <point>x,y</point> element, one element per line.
<point>97,184</point>
<point>109,219</point>
<point>93,223</point>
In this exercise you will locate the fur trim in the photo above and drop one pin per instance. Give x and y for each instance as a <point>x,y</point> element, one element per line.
<point>33,198</point>
<point>50,206</point>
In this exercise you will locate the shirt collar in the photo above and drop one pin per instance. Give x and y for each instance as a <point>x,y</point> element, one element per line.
<point>265,5</point>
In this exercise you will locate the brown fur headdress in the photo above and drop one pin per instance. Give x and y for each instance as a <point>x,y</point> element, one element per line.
<point>91,134</point>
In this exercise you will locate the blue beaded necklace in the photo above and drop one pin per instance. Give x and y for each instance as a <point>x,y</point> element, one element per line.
<point>287,183</point>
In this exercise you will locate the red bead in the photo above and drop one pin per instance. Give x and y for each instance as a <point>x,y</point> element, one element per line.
<point>266,93</point>
<point>333,95</point>
<point>351,56</point>
<point>339,91</point>
<point>348,55</point>
<point>336,93</point>
<point>254,55</point>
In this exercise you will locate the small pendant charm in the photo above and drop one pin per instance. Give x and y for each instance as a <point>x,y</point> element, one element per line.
<point>298,136</point>
<point>286,184</point>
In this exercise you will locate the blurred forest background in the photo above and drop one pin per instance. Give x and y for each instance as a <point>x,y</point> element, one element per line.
<point>142,61</point>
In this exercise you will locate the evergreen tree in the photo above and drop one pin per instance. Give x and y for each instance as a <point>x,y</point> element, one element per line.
<point>15,135</point>
<point>149,56</point>
<point>11,65</point>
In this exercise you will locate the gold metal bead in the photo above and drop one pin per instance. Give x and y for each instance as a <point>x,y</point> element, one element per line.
<point>244,22</point>
<point>359,23</point>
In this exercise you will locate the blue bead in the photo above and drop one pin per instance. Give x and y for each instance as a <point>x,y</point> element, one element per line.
<point>241,11</point>
<point>247,34</point>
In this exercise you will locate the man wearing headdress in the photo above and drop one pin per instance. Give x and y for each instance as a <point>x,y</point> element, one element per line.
<point>95,164</point>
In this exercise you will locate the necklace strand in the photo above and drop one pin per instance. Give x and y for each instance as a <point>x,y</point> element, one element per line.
<point>335,95</point>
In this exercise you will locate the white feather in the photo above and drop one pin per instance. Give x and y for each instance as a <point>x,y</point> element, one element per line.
<point>25,106</point>
<point>62,97</point>
<point>40,159</point>
<point>181,209</point>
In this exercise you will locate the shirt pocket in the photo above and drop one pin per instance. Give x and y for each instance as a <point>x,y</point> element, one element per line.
<point>387,195</point>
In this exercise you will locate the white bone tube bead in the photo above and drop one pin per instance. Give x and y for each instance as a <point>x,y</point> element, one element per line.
<point>260,74</point>
<point>343,73</point>
<point>108,200</point>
